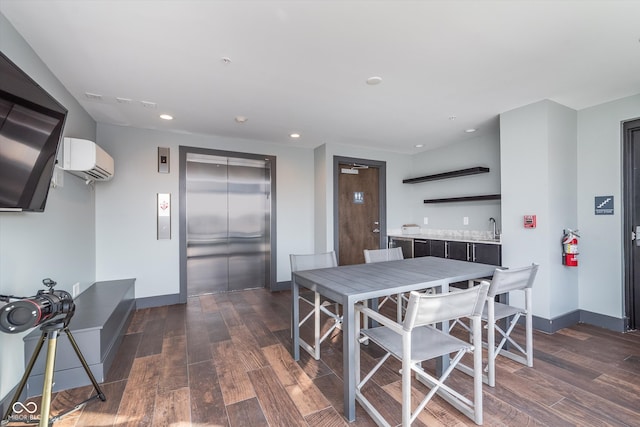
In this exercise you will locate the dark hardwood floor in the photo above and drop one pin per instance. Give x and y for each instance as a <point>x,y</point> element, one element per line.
<point>223,360</point>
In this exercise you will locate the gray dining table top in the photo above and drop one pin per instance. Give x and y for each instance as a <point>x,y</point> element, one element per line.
<point>366,281</point>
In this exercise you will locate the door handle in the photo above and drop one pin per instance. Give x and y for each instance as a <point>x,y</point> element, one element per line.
<point>376,230</point>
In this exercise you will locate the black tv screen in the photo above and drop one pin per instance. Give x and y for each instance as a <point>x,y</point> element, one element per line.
<point>31,123</point>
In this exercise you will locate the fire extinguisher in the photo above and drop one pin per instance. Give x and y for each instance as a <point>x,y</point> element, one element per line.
<point>570,248</point>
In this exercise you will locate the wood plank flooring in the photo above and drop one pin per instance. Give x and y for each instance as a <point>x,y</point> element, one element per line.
<point>223,360</point>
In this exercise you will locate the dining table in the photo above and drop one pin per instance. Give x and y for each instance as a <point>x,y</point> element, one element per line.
<point>350,284</point>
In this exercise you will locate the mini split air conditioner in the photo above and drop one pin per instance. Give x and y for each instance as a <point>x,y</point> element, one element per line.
<point>87,160</point>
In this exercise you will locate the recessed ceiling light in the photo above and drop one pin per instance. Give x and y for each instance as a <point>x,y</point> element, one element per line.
<point>166,117</point>
<point>470,130</point>
<point>241,119</point>
<point>419,145</point>
<point>375,80</point>
<point>294,135</point>
<point>225,60</point>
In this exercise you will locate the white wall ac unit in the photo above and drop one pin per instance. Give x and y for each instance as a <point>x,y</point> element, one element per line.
<point>86,159</point>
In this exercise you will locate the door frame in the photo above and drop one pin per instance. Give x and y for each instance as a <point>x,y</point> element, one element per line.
<point>182,225</point>
<point>631,296</point>
<point>382,197</point>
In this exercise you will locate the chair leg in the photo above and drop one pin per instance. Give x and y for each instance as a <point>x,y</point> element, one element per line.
<point>437,386</point>
<point>491,345</point>
<point>406,382</point>
<point>529,327</point>
<point>477,371</point>
<point>316,327</point>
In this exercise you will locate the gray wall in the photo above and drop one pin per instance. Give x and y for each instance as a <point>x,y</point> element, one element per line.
<point>483,150</point>
<point>600,174</point>
<point>576,156</point>
<point>538,150</point>
<point>58,243</point>
<point>398,200</point>
<point>126,244</point>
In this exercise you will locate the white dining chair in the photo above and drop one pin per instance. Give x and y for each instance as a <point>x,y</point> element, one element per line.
<point>318,303</point>
<point>503,282</point>
<point>381,255</point>
<point>416,339</point>
<point>503,318</point>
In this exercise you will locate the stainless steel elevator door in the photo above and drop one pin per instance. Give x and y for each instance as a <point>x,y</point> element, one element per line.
<point>228,207</point>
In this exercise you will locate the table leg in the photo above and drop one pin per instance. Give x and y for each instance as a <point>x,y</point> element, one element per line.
<point>295,320</point>
<point>349,359</point>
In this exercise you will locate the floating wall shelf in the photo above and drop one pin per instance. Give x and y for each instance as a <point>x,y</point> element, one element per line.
<point>445,175</point>
<point>465,199</point>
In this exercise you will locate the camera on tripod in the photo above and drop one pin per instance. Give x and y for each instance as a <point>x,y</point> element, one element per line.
<point>46,305</point>
<point>52,310</point>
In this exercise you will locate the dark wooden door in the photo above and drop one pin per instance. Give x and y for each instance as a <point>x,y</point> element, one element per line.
<point>358,212</point>
<point>632,222</point>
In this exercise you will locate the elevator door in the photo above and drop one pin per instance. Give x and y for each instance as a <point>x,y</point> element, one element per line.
<point>228,208</point>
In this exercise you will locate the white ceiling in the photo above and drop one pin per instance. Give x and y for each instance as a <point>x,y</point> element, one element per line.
<point>301,66</point>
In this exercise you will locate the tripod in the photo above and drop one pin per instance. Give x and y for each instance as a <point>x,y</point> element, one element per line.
<point>50,332</point>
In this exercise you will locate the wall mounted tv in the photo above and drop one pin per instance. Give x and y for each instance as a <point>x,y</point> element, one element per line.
<point>31,123</point>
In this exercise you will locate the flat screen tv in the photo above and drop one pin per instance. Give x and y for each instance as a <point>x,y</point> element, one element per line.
<point>31,123</point>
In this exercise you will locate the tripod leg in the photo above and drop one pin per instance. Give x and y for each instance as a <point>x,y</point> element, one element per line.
<point>45,406</point>
<point>96,386</point>
<point>25,377</point>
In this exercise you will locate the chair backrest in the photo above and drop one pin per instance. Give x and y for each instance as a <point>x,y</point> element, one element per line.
<point>512,279</point>
<point>425,309</point>
<point>313,261</point>
<point>379,255</point>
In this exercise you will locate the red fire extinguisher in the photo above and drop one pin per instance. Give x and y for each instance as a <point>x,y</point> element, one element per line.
<point>570,248</point>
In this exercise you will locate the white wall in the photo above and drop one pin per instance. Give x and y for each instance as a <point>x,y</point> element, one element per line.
<point>58,243</point>
<point>478,151</point>
<point>600,174</point>
<point>126,244</point>
<point>321,209</point>
<point>563,213</point>
<point>537,151</point>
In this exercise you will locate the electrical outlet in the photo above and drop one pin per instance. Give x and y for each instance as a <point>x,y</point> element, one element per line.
<point>76,289</point>
<point>426,220</point>
<point>465,220</point>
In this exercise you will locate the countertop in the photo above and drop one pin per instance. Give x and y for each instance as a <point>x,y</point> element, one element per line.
<point>449,238</point>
